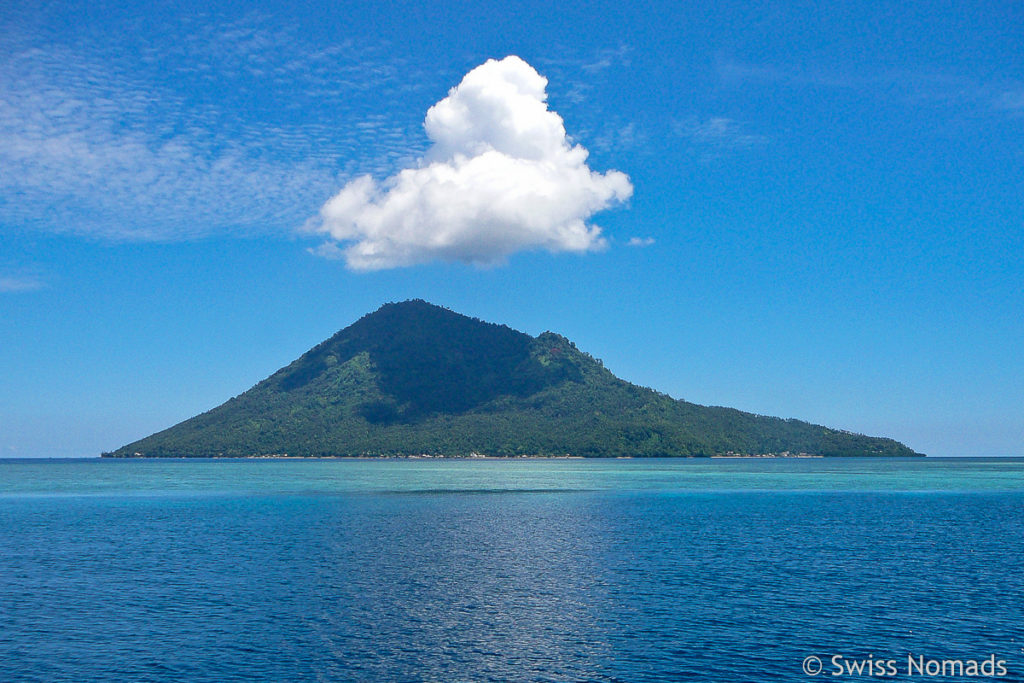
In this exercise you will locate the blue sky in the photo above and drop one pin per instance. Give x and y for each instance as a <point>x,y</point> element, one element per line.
<point>825,218</point>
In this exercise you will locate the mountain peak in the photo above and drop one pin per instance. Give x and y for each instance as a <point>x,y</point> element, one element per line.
<point>409,306</point>
<point>426,359</point>
<point>414,316</point>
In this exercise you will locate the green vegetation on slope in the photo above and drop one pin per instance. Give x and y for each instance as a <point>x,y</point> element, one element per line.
<point>413,378</point>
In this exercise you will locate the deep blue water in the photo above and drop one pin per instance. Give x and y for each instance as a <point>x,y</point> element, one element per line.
<point>626,570</point>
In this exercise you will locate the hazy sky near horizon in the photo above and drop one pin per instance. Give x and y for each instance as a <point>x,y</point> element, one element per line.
<point>809,210</point>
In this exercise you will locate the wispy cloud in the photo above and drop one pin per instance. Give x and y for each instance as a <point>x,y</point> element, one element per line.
<point>1010,100</point>
<point>19,283</point>
<point>640,242</point>
<point>577,72</point>
<point>606,58</point>
<point>234,128</point>
<point>912,87</point>
<point>717,135</point>
<point>616,135</point>
<point>590,61</point>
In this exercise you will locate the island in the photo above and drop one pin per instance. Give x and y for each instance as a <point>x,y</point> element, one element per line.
<point>413,379</point>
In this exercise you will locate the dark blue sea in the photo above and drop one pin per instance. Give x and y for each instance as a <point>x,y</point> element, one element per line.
<point>519,570</point>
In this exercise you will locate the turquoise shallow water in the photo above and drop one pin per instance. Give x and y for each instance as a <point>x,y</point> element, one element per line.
<point>289,477</point>
<point>547,570</point>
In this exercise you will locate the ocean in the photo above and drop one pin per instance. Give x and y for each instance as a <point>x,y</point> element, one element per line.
<point>512,570</point>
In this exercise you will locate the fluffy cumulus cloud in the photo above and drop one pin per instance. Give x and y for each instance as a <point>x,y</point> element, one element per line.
<point>500,177</point>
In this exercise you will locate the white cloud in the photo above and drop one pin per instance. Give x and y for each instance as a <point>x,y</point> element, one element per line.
<point>499,177</point>
<point>640,242</point>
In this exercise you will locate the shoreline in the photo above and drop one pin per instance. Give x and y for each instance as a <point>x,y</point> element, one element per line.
<point>760,456</point>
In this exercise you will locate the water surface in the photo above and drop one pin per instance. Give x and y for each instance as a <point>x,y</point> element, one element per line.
<point>546,570</point>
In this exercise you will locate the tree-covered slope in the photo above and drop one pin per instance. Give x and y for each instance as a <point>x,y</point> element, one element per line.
<point>413,378</point>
